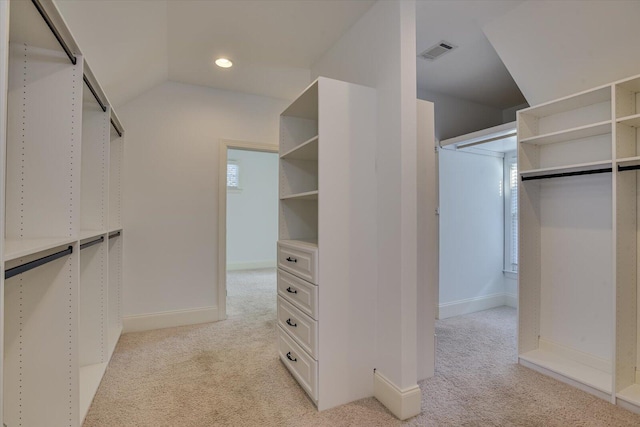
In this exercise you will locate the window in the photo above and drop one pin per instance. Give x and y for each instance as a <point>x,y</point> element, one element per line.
<point>511,223</point>
<point>233,175</point>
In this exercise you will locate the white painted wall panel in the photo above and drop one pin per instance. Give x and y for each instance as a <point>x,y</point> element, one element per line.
<point>576,264</point>
<point>380,51</point>
<point>252,212</point>
<point>449,110</point>
<point>171,197</point>
<point>471,226</point>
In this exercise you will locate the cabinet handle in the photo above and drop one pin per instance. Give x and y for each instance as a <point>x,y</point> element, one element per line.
<point>292,259</point>
<point>291,291</point>
<point>290,358</point>
<point>295,325</point>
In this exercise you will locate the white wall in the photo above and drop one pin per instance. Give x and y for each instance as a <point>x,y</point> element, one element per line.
<point>584,44</point>
<point>455,116</point>
<point>471,232</point>
<point>171,190</point>
<point>252,211</point>
<point>380,51</point>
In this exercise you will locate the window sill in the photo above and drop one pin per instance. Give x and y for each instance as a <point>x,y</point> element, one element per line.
<point>510,274</point>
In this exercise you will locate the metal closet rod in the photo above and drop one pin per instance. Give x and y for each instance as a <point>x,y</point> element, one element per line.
<point>71,56</point>
<point>91,243</point>
<point>114,235</point>
<point>628,168</point>
<point>118,131</point>
<point>37,263</point>
<point>564,174</point>
<point>55,32</point>
<point>95,94</point>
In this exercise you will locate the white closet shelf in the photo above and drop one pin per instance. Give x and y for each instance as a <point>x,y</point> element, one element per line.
<point>572,102</point>
<point>308,150</point>
<point>630,394</point>
<point>629,161</point>
<point>581,167</point>
<point>87,234</point>
<point>310,243</point>
<point>114,228</point>
<point>633,121</point>
<point>90,377</point>
<point>307,195</point>
<point>570,369</point>
<point>601,128</point>
<point>17,248</point>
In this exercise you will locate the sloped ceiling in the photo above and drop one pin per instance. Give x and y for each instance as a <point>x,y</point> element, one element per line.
<point>134,45</point>
<point>473,71</point>
<point>272,43</point>
<point>125,43</point>
<point>556,48</point>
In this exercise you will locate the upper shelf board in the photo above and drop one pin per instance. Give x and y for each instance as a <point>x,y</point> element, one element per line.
<point>569,103</point>
<point>581,132</point>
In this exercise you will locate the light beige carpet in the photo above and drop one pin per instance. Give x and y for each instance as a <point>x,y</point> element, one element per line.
<point>228,374</point>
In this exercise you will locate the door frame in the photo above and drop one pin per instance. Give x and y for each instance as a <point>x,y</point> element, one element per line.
<point>225,145</point>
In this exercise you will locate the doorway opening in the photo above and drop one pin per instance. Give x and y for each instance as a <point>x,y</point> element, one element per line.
<point>478,222</point>
<point>248,217</point>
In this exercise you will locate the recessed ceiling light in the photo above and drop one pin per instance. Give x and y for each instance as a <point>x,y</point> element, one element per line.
<point>223,63</point>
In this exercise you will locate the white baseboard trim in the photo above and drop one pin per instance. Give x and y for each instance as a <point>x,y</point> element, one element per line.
<point>169,319</point>
<point>511,300</point>
<point>251,265</point>
<point>404,404</point>
<point>471,305</point>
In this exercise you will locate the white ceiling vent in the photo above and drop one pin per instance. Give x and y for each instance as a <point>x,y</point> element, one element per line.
<point>436,51</point>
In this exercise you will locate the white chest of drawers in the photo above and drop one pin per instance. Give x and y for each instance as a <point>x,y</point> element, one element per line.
<point>297,308</point>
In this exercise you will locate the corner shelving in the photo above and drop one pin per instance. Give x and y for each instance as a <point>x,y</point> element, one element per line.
<point>62,293</point>
<point>326,240</point>
<point>627,149</point>
<point>566,291</point>
<point>298,181</point>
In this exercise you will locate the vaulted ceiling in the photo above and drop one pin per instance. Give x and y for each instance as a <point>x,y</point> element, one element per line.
<point>134,45</point>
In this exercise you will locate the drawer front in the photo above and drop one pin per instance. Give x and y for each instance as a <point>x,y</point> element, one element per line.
<point>303,368</point>
<point>302,294</point>
<point>299,261</point>
<point>301,327</point>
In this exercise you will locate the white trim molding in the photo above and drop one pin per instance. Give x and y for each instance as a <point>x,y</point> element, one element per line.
<point>226,144</point>
<point>404,404</point>
<point>169,319</point>
<point>471,305</point>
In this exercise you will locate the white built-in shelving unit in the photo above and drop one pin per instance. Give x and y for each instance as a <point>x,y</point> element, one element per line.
<point>327,243</point>
<point>578,317</point>
<point>62,232</point>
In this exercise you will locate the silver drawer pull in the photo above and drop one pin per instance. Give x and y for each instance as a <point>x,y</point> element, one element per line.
<point>290,358</point>
<point>295,325</point>
<point>292,259</point>
<point>291,291</point>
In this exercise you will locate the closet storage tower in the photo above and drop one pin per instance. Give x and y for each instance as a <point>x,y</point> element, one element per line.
<point>62,230</point>
<point>578,313</point>
<point>327,241</point>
